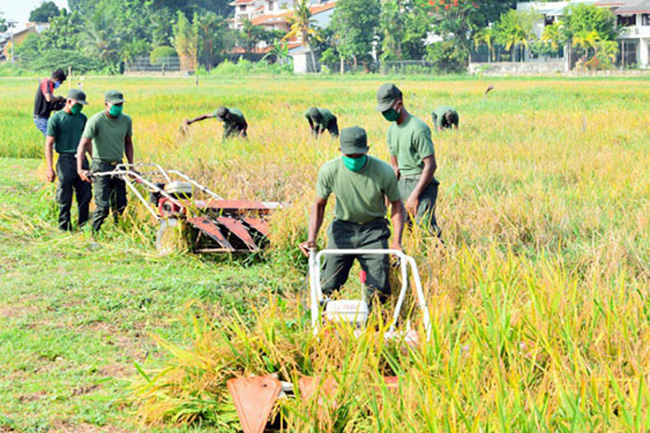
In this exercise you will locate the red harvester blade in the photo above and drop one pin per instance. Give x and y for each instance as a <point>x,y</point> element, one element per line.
<point>212,230</point>
<point>258,224</point>
<point>239,230</point>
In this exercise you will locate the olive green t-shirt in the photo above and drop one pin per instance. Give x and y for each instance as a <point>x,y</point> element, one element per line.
<point>410,143</point>
<point>438,113</point>
<point>66,128</point>
<point>108,135</point>
<point>234,124</point>
<point>359,196</point>
<point>326,117</point>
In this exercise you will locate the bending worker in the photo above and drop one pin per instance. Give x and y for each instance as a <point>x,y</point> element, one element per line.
<point>411,156</point>
<point>234,122</point>
<point>321,120</point>
<point>64,131</point>
<point>445,117</point>
<point>360,183</point>
<point>108,138</point>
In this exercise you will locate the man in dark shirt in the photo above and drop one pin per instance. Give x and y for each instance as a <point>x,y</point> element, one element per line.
<point>64,131</point>
<point>45,99</point>
<point>445,117</point>
<point>234,122</point>
<point>321,120</point>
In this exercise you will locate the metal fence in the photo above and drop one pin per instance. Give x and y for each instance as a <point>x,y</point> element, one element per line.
<point>409,67</point>
<point>498,54</point>
<point>162,65</point>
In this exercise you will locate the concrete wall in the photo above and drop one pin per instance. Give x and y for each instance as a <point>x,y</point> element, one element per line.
<point>302,62</point>
<point>519,68</point>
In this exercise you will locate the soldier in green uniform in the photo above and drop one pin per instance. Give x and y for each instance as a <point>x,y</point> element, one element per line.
<point>321,120</point>
<point>234,122</point>
<point>411,156</point>
<point>108,138</point>
<point>63,133</point>
<point>361,185</point>
<point>445,117</point>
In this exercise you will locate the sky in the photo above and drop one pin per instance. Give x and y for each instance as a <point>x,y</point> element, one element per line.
<point>18,10</point>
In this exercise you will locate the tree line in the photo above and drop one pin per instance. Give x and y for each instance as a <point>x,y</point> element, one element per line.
<point>106,34</point>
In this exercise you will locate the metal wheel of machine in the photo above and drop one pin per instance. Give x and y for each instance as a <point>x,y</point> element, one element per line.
<point>170,237</point>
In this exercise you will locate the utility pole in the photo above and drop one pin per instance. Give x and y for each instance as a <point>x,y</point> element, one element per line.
<point>11,25</point>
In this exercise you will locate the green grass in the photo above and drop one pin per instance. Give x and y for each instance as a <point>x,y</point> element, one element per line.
<point>76,314</point>
<point>540,298</point>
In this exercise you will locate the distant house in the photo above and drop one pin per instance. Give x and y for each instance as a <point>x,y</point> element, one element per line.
<point>275,15</point>
<point>19,36</point>
<point>632,17</point>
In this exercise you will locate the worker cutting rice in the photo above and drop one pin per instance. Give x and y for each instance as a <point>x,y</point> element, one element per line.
<point>361,184</point>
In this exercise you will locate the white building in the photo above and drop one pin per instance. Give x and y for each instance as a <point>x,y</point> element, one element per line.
<point>632,17</point>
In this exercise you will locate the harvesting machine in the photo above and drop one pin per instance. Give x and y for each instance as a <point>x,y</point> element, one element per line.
<point>215,224</point>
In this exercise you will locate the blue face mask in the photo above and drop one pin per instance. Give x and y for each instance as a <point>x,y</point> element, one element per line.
<point>57,84</point>
<point>355,164</point>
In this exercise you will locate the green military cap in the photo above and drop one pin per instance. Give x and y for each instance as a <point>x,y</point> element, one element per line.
<point>78,96</point>
<point>314,113</point>
<point>114,97</point>
<point>386,96</point>
<point>221,113</point>
<point>354,140</point>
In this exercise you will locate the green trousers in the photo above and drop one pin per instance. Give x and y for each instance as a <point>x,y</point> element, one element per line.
<point>69,182</point>
<point>346,235</point>
<point>110,194</point>
<point>426,209</point>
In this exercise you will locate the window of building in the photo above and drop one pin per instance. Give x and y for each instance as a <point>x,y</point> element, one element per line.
<point>626,20</point>
<point>549,20</point>
<point>242,8</point>
<point>270,6</point>
<point>645,19</point>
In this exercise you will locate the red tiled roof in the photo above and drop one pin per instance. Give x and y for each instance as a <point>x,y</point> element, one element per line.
<point>268,17</point>
<point>240,50</point>
<point>634,7</point>
<point>287,13</point>
<point>322,8</point>
<point>241,2</point>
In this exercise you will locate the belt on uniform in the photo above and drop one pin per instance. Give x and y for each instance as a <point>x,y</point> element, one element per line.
<point>68,155</point>
<point>109,162</point>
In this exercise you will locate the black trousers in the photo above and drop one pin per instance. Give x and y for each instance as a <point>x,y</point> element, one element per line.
<point>69,182</point>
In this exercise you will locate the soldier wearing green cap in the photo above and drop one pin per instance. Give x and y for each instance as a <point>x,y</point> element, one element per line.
<point>361,184</point>
<point>63,133</point>
<point>445,117</point>
<point>411,156</point>
<point>108,138</point>
<point>321,120</point>
<point>234,122</point>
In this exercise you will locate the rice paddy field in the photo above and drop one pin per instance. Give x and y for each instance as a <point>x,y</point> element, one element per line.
<point>539,297</point>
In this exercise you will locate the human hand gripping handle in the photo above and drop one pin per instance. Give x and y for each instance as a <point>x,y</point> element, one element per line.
<point>84,175</point>
<point>308,246</point>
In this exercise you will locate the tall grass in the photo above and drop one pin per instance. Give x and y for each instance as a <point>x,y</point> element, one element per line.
<point>539,297</point>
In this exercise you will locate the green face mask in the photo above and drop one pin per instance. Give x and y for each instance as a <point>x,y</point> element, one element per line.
<point>355,164</point>
<point>76,109</point>
<point>391,114</point>
<point>115,110</point>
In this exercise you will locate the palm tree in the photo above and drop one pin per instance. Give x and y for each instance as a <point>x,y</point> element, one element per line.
<point>553,35</point>
<point>585,40</point>
<point>486,36</point>
<point>303,26</point>
<point>100,40</point>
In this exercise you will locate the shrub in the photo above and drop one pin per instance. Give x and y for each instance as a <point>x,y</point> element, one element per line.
<point>162,55</point>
